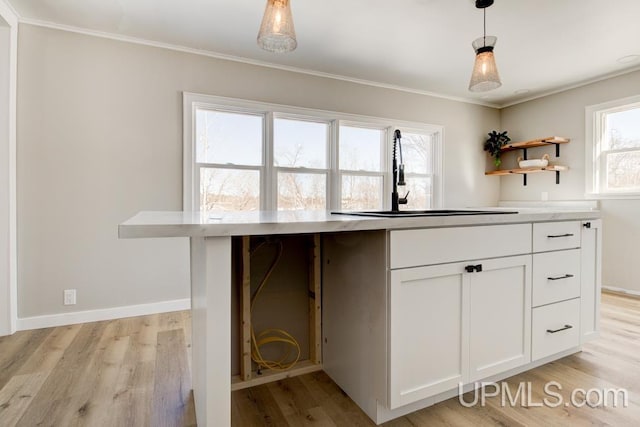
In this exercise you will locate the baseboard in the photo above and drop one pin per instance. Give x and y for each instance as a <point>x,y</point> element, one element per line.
<point>621,291</point>
<point>62,319</point>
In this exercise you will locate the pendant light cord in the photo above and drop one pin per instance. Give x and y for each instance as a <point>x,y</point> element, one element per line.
<point>484,28</point>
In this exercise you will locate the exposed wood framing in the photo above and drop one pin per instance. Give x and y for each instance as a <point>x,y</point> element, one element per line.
<point>245,312</point>
<point>315,301</point>
<point>268,376</point>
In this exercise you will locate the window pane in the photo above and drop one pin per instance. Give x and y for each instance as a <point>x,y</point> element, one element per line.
<point>302,191</point>
<point>300,143</point>
<point>420,189</point>
<point>623,171</point>
<point>361,192</point>
<point>416,153</point>
<point>228,138</point>
<point>622,130</point>
<point>361,148</point>
<point>229,189</point>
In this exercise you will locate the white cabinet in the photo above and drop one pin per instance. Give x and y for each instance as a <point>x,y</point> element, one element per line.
<point>411,314</point>
<point>555,328</point>
<point>499,316</point>
<point>457,323</point>
<point>556,276</point>
<point>428,246</point>
<point>566,285</point>
<point>428,337</point>
<point>553,236</point>
<point>591,279</point>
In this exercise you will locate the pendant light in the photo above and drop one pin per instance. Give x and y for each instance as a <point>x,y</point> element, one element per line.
<point>485,73</point>
<point>276,32</point>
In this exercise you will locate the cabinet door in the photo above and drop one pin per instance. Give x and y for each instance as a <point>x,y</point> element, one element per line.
<point>591,283</point>
<point>500,316</point>
<point>428,340</point>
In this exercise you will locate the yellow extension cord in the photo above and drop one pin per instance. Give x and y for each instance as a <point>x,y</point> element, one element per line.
<point>269,336</point>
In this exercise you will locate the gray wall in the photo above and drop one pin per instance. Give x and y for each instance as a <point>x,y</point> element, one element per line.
<point>100,138</point>
<point>563,114</point>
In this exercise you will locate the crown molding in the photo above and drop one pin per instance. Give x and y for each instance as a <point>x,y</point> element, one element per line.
<point>572,86</point>
<point>216,55</point>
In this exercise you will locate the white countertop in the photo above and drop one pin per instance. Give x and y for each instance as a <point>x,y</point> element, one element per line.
<point>198,224</point>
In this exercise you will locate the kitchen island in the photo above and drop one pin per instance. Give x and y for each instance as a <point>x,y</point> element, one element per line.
<point>411,307</point>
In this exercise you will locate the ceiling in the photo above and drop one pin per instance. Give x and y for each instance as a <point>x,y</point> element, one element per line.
<point>417,45</point>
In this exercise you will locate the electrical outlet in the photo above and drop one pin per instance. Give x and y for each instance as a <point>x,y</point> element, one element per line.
<point>69,296</point>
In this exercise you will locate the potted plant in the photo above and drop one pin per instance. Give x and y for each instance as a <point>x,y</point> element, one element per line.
<point>494,145</point>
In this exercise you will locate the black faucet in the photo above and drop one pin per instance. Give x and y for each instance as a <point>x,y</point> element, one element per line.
<point>398,174</point>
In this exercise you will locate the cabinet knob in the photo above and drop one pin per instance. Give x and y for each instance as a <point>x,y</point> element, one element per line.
<point>587,225</point>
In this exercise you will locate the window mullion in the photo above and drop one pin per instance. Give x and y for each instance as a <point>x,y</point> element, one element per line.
<point>299,169</point>
<point>387,180</point>
<point>268,177</point>
<point>334,190</point>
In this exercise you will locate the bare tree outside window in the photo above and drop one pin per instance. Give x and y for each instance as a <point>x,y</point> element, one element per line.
<point>229,190</point>
<point>300,157</point>
<point>621,149</point>
<point>245,155</point>
<point>361,153</point>
<point>418,159</point>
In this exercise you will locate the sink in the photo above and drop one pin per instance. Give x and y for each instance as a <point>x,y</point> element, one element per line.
<point>430,212</point>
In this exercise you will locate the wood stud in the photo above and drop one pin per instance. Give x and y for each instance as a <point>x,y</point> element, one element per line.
<point>245,301</point>
<point>315,301</point>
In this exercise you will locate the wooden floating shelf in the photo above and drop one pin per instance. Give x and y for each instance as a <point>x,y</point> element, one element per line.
<point>554,168</point>
<point>541,142</point>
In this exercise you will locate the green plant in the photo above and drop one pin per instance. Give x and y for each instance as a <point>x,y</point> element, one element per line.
<point>494,145</point>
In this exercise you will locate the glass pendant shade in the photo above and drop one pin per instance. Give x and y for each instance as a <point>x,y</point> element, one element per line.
<point>485,72</point>
<point>277,33</point>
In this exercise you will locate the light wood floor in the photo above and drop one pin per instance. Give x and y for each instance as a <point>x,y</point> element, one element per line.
<point>135,372</point>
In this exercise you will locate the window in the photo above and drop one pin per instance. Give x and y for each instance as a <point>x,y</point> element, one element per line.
<point>362,167</point>
<point>228,159</point>
<point>613,162</point>
<point>417,149</point>
<point>243,155</point>
<point>300,161</point>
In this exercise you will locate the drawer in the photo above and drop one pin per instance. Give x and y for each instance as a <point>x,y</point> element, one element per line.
<point>553,236</point>
<point>411,248</point>
<point>556,276</point>
<point>555,328</point>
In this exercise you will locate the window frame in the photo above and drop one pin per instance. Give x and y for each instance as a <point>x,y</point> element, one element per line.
<point>385,161</point>
<point>273,201</point>
<point>198,166</point>
<point>595,157</point>
<point>268,171</point>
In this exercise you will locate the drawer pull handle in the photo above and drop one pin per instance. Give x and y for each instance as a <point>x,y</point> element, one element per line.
<point>566,276</point>
<point>553,331</point>
<point>472,268</point>
<point>555,236</point>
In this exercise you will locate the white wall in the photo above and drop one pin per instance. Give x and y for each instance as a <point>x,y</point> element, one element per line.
<point>100,138</point>
<point>8,59</point>
<point>564,114</point>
